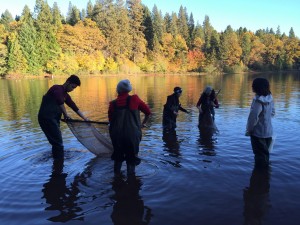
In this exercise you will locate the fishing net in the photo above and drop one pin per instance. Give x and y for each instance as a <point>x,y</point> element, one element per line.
<point>95,137</point>
<point>207,122</point>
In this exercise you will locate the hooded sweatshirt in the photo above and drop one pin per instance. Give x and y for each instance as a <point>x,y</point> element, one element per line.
<point>259,121</point>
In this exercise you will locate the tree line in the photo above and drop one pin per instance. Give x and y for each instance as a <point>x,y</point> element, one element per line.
<point>114,36</point>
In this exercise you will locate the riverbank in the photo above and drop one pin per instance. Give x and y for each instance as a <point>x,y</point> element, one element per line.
<point>51,76</point>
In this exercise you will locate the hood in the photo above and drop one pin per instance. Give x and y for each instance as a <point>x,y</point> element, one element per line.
<point>264,99</point>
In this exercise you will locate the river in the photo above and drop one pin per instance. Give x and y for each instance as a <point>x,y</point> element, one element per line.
<point>183,178</point>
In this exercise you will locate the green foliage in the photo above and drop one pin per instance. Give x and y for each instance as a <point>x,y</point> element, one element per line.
<point>3,51</point>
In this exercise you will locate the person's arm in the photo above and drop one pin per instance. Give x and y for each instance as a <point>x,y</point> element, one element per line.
<point>73,106</point>
<point>255,110</point>
<point>64,111</point>
<point>182,109</point>
<point>144,108</point>
<point>79,113</point>
<point>145,120</point>
<point>199,104</point>
<point>216,103</point>
<point>273,109</point>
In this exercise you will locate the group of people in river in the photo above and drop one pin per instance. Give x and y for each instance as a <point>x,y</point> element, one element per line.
<point>125,124</point>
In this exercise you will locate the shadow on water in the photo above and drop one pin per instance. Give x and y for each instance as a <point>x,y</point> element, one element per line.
<point>256,197</point>
<point>129,206</point>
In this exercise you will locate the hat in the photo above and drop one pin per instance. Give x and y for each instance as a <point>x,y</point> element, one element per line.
<point>177,90</point>
<point>208,89</point>
<point>124,86</point>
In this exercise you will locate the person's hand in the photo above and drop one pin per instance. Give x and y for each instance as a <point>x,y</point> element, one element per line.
<point>67,117</point>
<point>176,113</point>
<point>144,125</point>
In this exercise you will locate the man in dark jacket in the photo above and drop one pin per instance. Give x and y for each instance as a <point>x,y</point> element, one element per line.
<point>51,110</point>
<point>171,109</point>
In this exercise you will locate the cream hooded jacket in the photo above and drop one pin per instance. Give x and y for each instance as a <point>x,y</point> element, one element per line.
<point>259,121</point>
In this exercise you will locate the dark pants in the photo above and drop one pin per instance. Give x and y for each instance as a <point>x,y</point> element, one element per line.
<point>51,128</point>
<point>260,147</point>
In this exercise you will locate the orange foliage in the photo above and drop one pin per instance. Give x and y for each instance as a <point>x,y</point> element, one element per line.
<point>196,59</point>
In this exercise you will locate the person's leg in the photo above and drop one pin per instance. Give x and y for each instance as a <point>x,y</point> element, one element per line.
<point>118,157</point>
<point>51,128</point>
<point>260,148</point>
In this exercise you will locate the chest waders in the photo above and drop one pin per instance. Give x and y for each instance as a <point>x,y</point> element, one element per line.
<point>125,133</point>
<point>49,120</point>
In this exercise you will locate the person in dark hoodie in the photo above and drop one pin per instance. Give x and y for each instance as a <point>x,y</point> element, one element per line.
<point>51,110</point>
<point>259,124</point>
<point>171,109</point>
<point>125,127</point>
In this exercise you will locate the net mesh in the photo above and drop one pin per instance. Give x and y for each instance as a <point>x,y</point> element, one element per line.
<point>95,137</point>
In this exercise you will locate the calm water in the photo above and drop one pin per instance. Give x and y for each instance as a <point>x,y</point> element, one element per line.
<point>183,179</point>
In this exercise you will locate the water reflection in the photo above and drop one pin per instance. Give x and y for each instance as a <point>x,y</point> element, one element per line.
<point>60,197</point>
<point>207,141</point>
<point>171,142</point>
<point>129,206</point>
<point>256,197</point>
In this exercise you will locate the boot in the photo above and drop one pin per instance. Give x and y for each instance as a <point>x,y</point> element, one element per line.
<point>117,167</point>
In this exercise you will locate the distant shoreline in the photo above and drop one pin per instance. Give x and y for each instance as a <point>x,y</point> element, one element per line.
<point>51,76</point>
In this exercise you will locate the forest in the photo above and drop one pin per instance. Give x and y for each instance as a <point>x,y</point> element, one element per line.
<point>117,36</point>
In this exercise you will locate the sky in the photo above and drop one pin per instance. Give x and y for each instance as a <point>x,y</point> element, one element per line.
<point>252,14</point>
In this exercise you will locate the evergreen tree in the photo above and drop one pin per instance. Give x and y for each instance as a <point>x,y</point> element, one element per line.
<point>3,51</point>
<point>191,25</point>
<point>292,33</point>
<point>28,40</point>
<point>207,29</point>
<point>158,24</point>
<point>230,50</point>
<point>167,22</point>
<point>89,9</point>
<point>149,33</point>
<point>183,27</point>
<point>48,47</point>
<point>278,32</point>
<point>17,63</point>
<point>174,25</point>
<point>73,15</point>
<point>136,29</point>
<point>246,47</point>
<point>6,18</point>
<point>57,17</point>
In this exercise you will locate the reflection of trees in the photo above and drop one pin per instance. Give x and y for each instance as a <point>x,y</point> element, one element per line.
<point>129,206</point>
<point>256,197</point>
<point>60,197</point>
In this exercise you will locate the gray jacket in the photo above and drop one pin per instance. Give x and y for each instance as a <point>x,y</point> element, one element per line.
<point>259,121</point>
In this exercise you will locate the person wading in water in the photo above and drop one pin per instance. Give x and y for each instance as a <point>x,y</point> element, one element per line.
<point>125,127</point>
<point>51,110</point>
<point>171,109</point>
